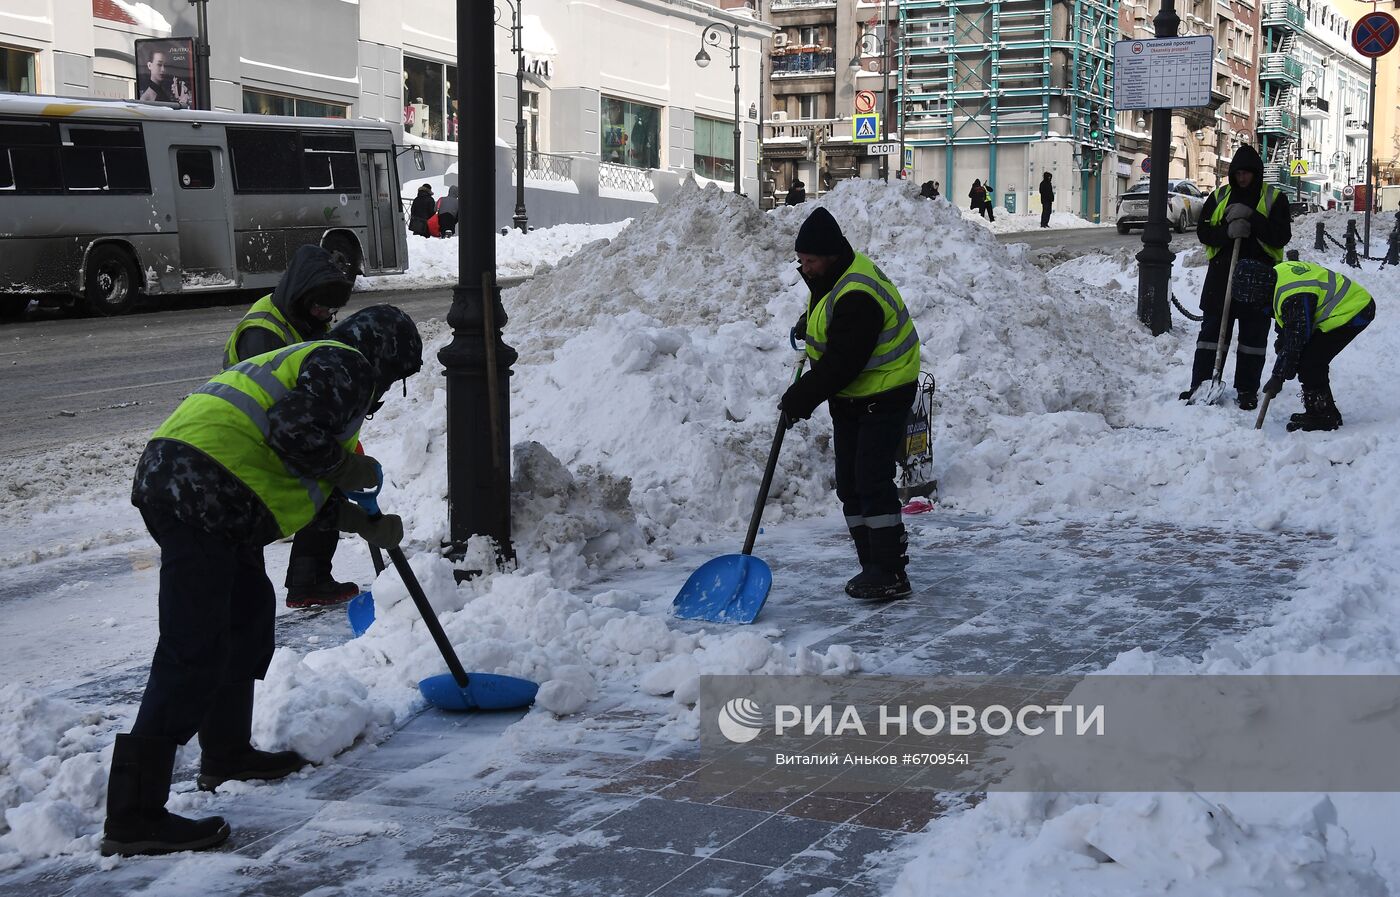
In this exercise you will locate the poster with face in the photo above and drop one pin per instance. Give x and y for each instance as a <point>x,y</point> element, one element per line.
<point>165,71</point>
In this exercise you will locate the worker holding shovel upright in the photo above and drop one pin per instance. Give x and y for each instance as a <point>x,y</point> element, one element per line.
<point>865,363</point>
<point>1243,218</point>
<point>250,457</point>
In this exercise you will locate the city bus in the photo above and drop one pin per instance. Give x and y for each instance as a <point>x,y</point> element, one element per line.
<point>107,200</point>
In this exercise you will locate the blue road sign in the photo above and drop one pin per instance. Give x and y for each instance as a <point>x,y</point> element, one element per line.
<point>866,128</point>
<point>1375,34</point>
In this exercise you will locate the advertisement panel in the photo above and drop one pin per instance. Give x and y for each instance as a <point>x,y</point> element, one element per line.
<point>165,71</point>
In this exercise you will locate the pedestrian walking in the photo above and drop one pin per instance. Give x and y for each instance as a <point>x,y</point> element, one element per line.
<point>421,210</point>
<point>1047,199</point>
<point>797,193</point>
<point>300,308</point>
<point>864,352</point>
<point>250,457</point>
<point>977,198</point>
<point>1317,313</point>
<point>1255,214</point>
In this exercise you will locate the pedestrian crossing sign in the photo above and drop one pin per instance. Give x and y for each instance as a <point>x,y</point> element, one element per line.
<point>866,128</point>
<point>1298,167</point>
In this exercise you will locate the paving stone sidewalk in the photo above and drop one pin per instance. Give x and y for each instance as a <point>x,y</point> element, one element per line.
<point>618,812</point>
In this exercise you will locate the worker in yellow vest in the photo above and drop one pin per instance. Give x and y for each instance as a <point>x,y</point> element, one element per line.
<point>864,354</point>
<point>1317,313</point>
<point>302,307</point>
<point>1247,209</point>
<point>248,458</point>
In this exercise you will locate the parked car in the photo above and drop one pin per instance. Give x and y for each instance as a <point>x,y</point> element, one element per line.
<point>1184,203</point>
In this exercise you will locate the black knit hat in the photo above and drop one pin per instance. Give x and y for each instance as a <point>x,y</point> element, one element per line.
<point>821,235</point>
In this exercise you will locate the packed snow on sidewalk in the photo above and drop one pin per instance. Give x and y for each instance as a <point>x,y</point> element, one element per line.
<point>1015,223</point>
<point>642,406</point>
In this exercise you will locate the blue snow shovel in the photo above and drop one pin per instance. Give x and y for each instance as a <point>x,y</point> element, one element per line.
<point>732,588</point>
<point>455,690</point>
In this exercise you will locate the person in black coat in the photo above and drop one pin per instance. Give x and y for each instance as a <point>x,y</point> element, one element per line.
<point>422,209</point>
<point>1047,200</point>
<point>797,193</point>
<point>1262,238</point>
<point>977,197</point>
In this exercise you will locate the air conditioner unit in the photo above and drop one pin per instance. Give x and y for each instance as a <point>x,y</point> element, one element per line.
<point>779,116</point>
<point>780,40</point>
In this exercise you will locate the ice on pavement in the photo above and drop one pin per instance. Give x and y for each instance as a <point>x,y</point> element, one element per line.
<point>642,408</point>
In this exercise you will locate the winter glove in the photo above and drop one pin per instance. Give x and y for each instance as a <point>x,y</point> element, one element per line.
<point>355,472</point>
<point>792,406</point>
<point>1238,230</point>
<point>1238,211</point>
<point>383,531</point>
<point>1274,386</point>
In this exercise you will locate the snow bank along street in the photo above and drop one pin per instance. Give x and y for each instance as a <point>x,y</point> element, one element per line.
<point>642,407</point>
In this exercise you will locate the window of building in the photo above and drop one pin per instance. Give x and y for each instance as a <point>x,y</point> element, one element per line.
<point>714,149</point>
<point>630,133</point>
<point>274,160</point>
<point>195,168</point>
<point>429,99</point>
<point>260,102</point>
<point>532,120</point>
<point>17,71</point>
<point>810,36</point>
<point>807,106</point>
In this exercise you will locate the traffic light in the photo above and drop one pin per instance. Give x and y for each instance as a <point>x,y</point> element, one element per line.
<point>1095,131</point>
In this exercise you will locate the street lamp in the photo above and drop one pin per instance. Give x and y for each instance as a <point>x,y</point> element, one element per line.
<point>1310,95</point>
<point>517,46</point>
<point>711,36</point>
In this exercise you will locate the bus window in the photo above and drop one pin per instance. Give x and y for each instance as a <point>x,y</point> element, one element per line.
<point>195,168</point>
<point>329,161</point>
<point>29,157</point>
<point>106,158</point>
<point>265,160</point>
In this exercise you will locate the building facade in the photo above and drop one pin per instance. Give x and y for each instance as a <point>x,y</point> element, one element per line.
<point>608,132</point>
<point>1385,156</point>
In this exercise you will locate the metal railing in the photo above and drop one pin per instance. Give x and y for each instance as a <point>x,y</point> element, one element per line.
<point>1275,119</point>
<point>623,177</point>
<point>545,166</point>
<point>1279,65</point>
<point>799,4</point>
<point>1282,12</point>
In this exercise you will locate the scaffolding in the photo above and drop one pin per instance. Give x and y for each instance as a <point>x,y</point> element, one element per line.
<point>985,73</point>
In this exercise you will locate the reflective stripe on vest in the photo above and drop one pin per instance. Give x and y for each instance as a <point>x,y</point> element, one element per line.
<point>895,360</point>
<point>1267,197</point>
<point>227,419</point>
<point>265,315</point>
<point>1337,298</point>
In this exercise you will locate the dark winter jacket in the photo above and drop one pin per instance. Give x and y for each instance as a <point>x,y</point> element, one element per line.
<point>335,388</point>
<point>928,191</point>
<point>423,206</point>
<point>797,193</point>
<point>1275,230</point>
<point>312,276</point>
<point>1047,192</point>
<point>1297,313</point>
<point>978,195</point>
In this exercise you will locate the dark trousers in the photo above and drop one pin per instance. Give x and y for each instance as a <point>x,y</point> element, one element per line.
<point>1254,342</point>
<point>991,211</point>
<point>216,632</point>
<point>1044,214</point>
<point>868,437</point>
<point>313,548</point>
<point>1315,364</point>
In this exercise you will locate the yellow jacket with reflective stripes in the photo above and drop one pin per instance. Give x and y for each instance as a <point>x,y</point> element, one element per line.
<point>227,420</point>
<point>266,315</point>
<point>1267,197</point>
<point>1336,298</point>
<point>895,360</point>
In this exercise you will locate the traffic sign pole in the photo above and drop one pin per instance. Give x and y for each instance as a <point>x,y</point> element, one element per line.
<point>1370,154</point>
<point>1374,35</point>
<point>1155,259</point>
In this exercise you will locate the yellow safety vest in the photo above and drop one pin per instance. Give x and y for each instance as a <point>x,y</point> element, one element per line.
<point>1337,298</point>
<point>226,419</point>
<point>1267,197</point>
<point>895,360</point>
<point>267,316</point>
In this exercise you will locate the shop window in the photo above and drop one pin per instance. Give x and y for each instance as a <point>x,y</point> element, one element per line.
<point>260,102</point>
<point>630,134</point>
<point>195,168</point>
<point>429,99</point>
<point>714,149</point>
<point>16,71</point>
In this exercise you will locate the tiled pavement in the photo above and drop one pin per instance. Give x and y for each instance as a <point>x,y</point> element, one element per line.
<point>619,812</point>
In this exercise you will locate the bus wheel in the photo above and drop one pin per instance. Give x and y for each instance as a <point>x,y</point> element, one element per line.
<point>344,252</point>
<point>112,285</point>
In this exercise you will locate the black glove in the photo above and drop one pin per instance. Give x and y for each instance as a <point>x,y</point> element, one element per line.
<point>792,407</point>
<point>799,331</point>
<point>384,531</point>
<point>1238,211</point>
<point>1238,230</point>
<point>354,473</point>
<point>1274,386</point>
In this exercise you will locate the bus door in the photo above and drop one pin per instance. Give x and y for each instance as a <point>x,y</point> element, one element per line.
<point>202,210</point>
<point>378,171</point>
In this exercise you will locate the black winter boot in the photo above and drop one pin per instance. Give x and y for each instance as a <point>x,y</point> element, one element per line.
<point>860,535</point>
<point>1248,401</point>
<point>309,584</point>
<point>137,821</point>
<point>225,740</point>
<point>879,585</point>
<point>1319,412</point>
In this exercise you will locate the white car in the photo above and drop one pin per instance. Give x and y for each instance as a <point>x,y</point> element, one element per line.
<point>1184,204</point>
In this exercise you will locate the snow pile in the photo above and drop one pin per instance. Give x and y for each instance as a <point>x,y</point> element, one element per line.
<point>432,262</point>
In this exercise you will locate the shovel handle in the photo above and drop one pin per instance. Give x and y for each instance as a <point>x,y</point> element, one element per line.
<point>376,557</point>
<point>768,470</point>
<point>429,616</point>
<point>1221,344</point>
<point>1263,410</point>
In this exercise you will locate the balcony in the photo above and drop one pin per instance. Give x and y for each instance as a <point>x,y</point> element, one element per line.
<point>1316,110</point>
<point>781,5</point>
<point>1280,67</point>
<point>1281,13</point>
<point>1277,120</point>
<point>1356,128</point>
<point>799,61</point>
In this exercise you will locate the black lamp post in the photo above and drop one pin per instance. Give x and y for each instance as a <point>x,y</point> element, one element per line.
<point>880,45</point>
<point>711,36</point>
<point>477,362</point>
<point>201,52</point>
<point>517,46</point>
<point>1155,259</point>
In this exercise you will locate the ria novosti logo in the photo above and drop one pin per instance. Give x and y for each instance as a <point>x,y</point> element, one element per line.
<point>740,720</point>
